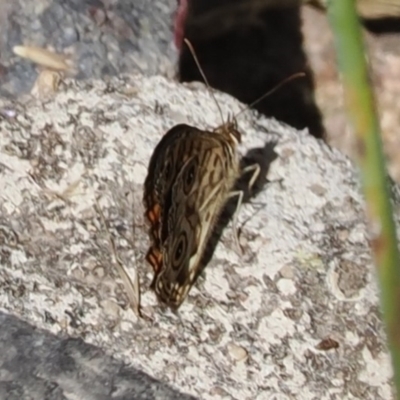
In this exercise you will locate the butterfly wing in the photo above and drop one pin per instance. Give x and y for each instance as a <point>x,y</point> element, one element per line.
<point>163,167</point>
<point>195,200</point>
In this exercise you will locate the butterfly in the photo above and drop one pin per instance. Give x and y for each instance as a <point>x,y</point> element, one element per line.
<point>191,175</point>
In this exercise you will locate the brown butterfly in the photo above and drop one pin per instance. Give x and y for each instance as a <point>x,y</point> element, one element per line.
<point>191,175</point>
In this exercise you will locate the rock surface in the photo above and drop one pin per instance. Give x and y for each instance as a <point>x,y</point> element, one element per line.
<point>296,316</point>
<point>39,365</point>
<point>102,38</point>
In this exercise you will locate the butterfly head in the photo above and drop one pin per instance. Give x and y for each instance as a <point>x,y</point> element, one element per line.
<point>230,130</point>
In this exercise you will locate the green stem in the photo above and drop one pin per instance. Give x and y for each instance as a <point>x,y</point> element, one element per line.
<point>362,112</point>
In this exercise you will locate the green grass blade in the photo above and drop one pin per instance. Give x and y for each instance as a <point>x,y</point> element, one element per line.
<point>362,112</point>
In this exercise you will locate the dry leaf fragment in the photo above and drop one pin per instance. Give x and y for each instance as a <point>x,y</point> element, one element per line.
<point>132,288</point>
<point>368,8</point>
<point>46,84</point>
<point>43,57</point>
<point>65,195</point>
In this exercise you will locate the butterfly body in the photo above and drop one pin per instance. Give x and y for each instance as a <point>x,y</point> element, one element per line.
<point>191,175</point>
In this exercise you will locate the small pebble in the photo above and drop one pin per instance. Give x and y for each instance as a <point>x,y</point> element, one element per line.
<point>238,353</point>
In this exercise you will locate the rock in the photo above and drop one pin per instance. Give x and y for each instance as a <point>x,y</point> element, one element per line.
<point>294,286</point>
<point>101,37</point>
<point>36,364</point>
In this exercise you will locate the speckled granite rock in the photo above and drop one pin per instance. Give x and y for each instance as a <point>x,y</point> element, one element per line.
<point>103,37</point>
<point>39,365</point>
<point>255,326</point>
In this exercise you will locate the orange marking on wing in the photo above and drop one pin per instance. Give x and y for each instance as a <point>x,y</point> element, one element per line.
<point>155,258</point>
<point>154,214</point>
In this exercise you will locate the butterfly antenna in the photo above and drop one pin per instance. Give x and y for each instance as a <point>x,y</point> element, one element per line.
<point>196,60</point>
<point>273,90</point>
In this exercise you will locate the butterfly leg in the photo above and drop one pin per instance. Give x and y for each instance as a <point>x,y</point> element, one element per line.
<point>256,172</point>
<point>239,193</point>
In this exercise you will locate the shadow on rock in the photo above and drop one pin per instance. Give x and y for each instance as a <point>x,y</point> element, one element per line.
<point>40,365</point>
<point>264,157</point>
